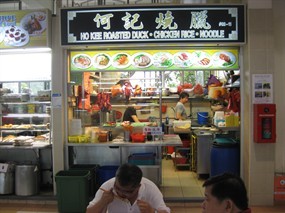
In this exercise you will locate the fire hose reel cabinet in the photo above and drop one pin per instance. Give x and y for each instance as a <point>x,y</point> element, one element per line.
<point>264,123</point>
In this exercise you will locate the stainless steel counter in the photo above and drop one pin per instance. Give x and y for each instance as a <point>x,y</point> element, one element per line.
<point>117,153</point>
<point>36,145</point>
<point>168,140</point>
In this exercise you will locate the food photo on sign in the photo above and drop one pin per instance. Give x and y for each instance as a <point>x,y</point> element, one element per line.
<point>14,34</point>
<point>155,59</point>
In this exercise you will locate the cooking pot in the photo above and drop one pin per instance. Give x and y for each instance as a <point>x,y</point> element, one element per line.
<point>106,117</point>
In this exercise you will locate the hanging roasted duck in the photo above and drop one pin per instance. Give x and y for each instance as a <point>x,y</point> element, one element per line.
<point>103,101</point>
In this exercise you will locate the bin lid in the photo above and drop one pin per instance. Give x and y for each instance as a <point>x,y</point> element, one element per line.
<point>224,142</point>
<point>72,173</point>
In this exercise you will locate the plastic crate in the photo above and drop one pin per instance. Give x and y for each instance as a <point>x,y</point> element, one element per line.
<point>142,158</point>
<point>72,190</point>
<point>186,143</point>
<point>92,168</point>
<point>179,160</point>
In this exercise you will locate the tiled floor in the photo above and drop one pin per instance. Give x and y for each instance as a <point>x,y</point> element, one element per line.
<point>180,183</point>
<point>30,207</point>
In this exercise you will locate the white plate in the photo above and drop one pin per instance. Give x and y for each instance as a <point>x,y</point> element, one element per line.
<point>202,59</point>
<point>224,59</point>
<point>2,35</point>
<point>183,59</point>
<point>102,61</point>
<point>142,60</point>
<point>162,59</point>
<point>121,60</point>
<point>15,36</point>
<point>34,23</point>
<point>82,61</point>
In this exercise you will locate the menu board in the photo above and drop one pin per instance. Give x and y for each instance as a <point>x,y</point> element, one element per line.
<point>152,24</point>
<point>24,28</point>
<point>172,59</point>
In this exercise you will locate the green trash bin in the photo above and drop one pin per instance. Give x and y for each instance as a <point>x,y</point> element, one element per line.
<point>93,170</point>
<point>72,190</point>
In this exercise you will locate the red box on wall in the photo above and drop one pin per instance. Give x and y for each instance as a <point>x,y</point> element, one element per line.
<point>264,123</point>
<point>279,187</point>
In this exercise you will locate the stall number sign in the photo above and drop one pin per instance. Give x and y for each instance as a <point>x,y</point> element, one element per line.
<point>186,23</point>
<point>152,130</point>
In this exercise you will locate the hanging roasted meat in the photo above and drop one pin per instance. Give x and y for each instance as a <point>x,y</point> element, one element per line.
<point>116,90</point>
<point>84,96</point>
<point>234,100</point>
<point>103,101</point>
<point>128,90</point>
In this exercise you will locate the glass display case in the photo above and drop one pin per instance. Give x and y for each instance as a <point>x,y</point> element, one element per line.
<point>25,113</point>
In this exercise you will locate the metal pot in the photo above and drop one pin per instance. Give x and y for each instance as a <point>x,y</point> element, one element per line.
<point>108,116</point>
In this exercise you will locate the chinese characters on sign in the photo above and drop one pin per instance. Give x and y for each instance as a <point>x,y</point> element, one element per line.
<point>152,130</point>
<point>153,24</point>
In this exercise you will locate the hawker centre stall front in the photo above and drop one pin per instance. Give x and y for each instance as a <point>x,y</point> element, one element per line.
<point>111,52</point>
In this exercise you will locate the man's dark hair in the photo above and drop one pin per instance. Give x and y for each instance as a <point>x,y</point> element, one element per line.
<point>183,95</point>
<point>129,175</point>
<point>229,186</point>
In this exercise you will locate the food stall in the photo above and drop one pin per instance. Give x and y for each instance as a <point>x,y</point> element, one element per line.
<point>25,89</point>
<point>122,61</point>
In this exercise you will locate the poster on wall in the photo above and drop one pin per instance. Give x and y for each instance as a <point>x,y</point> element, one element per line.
<point>262,88</point>
<point>24,29</point>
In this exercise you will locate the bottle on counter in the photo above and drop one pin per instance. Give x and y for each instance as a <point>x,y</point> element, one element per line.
<point>167,120</point>
<point>166,127</point>
<point>149,136</point>
<point>110,136</point>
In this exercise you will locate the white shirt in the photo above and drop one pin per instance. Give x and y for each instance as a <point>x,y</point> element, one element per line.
<point>148,192</point>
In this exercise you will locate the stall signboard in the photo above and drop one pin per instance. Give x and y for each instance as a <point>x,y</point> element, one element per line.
<point>24,29</point>
<point>150,60</point>
<point>139,24</point>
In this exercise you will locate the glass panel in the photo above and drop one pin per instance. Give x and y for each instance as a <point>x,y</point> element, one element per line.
<point>14,87</point>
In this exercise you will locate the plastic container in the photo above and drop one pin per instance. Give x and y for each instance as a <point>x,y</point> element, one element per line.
<point>92,168</point>
<point>219,118</point>
<point>179,160</point>
<point>186,124</point>
<point>142,158</point>
<point>72,188</point>
<point>105,173</point>
<point>103,136</point>
<point>170,149</point>
<point>225,156</point>
<point>203,118</point>
<point>138,137</point>
<point>186,143</point>
<point>26,180</point>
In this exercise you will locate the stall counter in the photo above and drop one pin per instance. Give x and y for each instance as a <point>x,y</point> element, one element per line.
<point>168,140</point>
<point>117,153</point>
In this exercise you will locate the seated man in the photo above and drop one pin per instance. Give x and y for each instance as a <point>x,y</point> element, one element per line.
<point>128,192</point>
<point>225,193</point>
